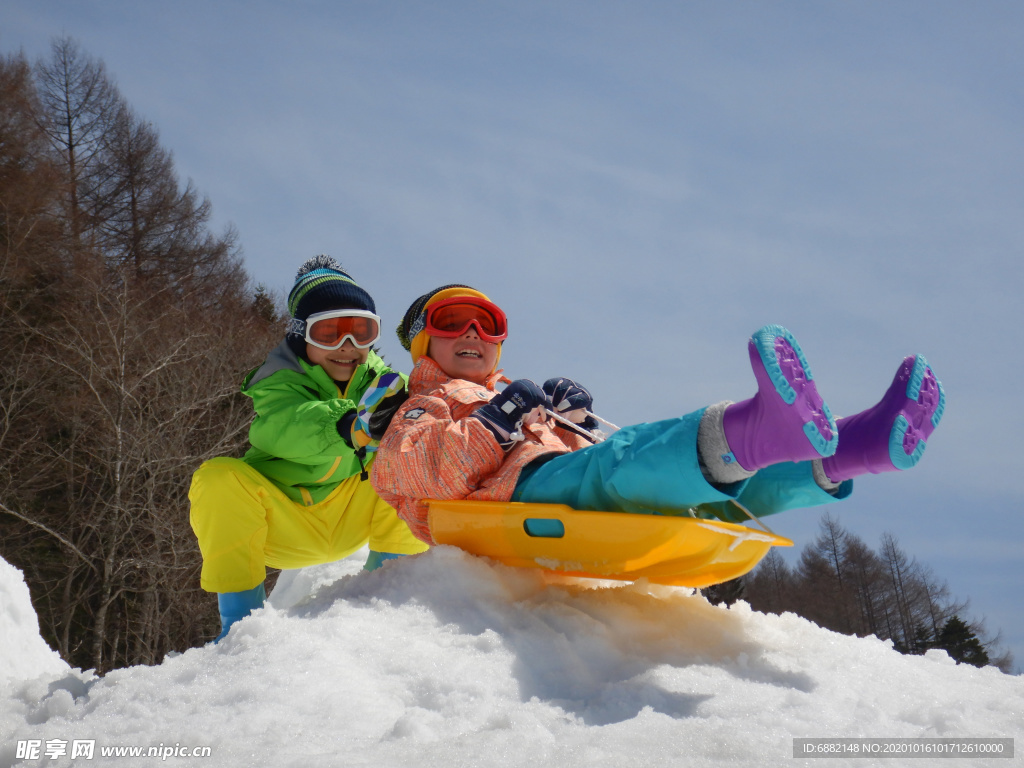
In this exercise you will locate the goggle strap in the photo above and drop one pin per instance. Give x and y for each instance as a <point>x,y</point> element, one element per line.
<point>418,325</point>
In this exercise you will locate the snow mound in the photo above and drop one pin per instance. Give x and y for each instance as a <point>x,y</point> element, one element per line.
<point>25,653</point>
<point>445,659</point>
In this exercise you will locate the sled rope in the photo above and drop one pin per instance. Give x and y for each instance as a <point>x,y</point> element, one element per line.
<point>596,437</point>
<point>755,519</point>
<point>603,421</point>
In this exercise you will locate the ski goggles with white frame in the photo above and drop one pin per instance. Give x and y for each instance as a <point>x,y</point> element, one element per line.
<point>330,330</point>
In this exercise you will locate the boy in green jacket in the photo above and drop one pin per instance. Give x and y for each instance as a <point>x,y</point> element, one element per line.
<point>301,495</point>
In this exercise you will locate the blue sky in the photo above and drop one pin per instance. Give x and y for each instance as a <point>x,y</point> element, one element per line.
<point>641,185</point>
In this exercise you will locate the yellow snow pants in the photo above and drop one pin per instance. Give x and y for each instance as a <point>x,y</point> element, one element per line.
<point>245,523</point>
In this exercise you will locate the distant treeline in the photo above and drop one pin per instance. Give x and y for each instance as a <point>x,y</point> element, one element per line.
<point>839,583</point>
<point>127,327</point>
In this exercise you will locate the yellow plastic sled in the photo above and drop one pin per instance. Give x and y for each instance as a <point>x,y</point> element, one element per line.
<point>680,551</point>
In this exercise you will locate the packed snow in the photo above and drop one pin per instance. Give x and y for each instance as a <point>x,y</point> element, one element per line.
<point>447,660</point>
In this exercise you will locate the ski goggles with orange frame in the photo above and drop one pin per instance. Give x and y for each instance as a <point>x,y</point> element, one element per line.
<point>330,330</point>
<point>451,318</point>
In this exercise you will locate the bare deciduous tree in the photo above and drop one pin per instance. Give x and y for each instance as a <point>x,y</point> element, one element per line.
<point>121,367</point>
<point>79,106</point>
<point>841,584</point>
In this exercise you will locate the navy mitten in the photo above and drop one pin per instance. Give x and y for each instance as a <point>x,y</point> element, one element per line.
<point>505,413</point>
<point>566,397</point>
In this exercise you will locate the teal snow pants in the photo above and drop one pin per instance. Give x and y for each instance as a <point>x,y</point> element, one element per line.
<point>654,469</point>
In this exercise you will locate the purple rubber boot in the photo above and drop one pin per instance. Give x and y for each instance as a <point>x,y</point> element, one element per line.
<point>786,420</point>
<point>891,435</point>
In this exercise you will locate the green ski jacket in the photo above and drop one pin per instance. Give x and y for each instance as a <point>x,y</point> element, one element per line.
<point>294,438</point>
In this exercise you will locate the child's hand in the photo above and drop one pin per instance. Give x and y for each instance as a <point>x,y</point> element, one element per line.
<point>571,401</point>
<point>521,402</point>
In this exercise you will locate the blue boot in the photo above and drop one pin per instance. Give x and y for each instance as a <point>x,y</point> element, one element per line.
<point>376,559</point>
<point>235,606</point>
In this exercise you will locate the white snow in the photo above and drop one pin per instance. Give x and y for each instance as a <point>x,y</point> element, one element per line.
<point>446,660</point>
<point>23,653</point>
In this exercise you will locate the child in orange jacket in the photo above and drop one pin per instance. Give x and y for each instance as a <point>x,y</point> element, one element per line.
<point>457,437</point>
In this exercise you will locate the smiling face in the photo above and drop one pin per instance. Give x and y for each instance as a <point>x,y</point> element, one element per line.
<point>339,363</point>
<point>467,357</point>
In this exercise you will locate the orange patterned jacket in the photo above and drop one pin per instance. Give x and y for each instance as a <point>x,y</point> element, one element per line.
<point>434,450</point>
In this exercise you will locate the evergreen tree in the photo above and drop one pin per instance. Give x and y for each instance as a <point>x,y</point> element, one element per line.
<point>264,306</point>
<point>726,593</point>
<point>959,641</point>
